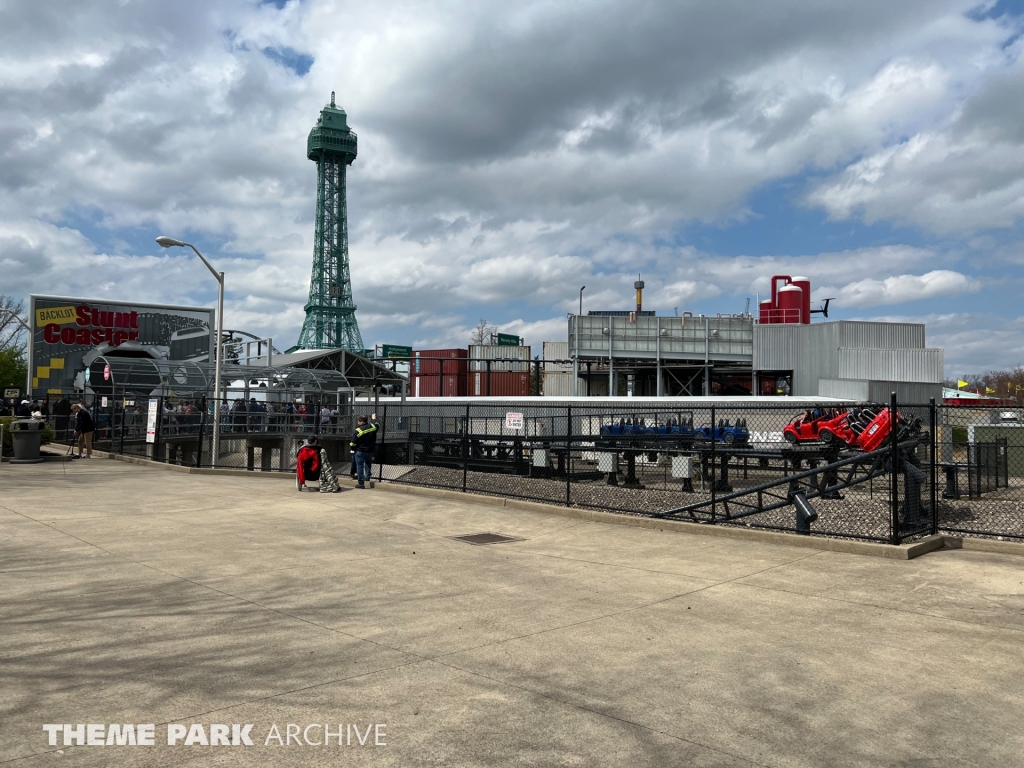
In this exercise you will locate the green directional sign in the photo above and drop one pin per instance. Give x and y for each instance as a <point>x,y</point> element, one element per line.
<point>393,350</point>
<point>508,340</point>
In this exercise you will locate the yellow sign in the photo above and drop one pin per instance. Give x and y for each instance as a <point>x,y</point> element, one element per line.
<point>58,315</point>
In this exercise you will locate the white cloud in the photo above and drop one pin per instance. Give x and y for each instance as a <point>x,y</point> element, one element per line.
<point>899,289</point>
<point>508,154</point>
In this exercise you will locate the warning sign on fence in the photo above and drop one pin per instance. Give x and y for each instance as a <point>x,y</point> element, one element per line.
<point>152,416</point>
<point>513,421</point>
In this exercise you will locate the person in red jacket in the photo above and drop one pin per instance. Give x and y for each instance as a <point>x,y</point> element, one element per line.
<point>311,464</point>
<point>307,463</point>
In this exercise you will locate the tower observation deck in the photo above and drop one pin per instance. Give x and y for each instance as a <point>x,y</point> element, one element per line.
<point>331,312</point>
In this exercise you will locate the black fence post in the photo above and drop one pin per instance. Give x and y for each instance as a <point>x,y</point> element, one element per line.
<point>202,424</point>
<point>568,456</point>
<point>714,502</point>
<point>894,495</point>
<point>122,423</point>
<point>933,421</point>
<point>383,430</point>
<point>465,450</point>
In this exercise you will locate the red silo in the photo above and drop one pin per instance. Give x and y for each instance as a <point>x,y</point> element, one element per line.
<point>765,311</point>
<point>790,303</point>
<point>804,284</point>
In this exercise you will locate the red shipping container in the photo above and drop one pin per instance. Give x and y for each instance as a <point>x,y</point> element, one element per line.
<point>502,384</point>
<point>433,367</point>
<point>427,366</point>
<point>433,385</point>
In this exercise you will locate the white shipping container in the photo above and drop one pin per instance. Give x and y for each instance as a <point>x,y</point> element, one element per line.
<point>557,384</point>
<point>556,350</point>
<point>480,353</point>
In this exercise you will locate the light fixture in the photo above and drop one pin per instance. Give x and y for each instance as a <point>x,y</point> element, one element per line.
<point>169,242</point>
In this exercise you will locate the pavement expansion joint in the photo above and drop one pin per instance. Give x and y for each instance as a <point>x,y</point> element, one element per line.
<point>875,606</point>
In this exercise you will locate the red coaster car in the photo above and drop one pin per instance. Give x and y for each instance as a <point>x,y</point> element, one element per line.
<point>824,424</point>
<point>871,426</point>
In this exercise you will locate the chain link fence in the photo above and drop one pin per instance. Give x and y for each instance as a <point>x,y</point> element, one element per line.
<point>743,465</point>
<point>878,472</point>
<point>980,471</point>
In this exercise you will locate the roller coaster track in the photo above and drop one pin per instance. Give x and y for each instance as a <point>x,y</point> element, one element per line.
<point>824,481</point>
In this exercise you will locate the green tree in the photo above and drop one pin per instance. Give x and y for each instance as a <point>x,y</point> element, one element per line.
<point>13,369</point>
<point>13,342</point>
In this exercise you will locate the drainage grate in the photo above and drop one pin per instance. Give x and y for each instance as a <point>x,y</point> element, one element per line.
<point>485,538</point>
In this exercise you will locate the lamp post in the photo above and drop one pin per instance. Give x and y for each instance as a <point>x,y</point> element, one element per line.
<point>168,242</point>
<point>581,299</point>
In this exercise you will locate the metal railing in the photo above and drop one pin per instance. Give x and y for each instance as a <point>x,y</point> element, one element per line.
<point>944,469</point>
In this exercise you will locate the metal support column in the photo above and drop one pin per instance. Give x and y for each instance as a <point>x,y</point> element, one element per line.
<point>933,496</point>
<point>611,357</point>
<point>657,355</point>
<point>574,353</point>
<point>707,350</point>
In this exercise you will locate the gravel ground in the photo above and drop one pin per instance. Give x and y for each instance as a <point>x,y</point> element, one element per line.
<point>864,512</point>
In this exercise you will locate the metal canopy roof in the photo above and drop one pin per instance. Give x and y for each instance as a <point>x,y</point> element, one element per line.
<point>361,372</point>
<point>192,376</point>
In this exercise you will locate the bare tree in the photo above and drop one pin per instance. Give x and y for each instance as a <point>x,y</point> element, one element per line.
<point>481,334</point>
<point>12,332</point>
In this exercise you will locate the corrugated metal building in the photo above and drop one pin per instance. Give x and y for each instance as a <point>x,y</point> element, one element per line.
<point>848,359</point>
<point>645,355</point>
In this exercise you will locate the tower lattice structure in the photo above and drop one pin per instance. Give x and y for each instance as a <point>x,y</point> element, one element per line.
<point>331,312</point>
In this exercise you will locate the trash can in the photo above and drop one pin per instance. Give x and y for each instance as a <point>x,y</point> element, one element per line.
<point>27,436</point>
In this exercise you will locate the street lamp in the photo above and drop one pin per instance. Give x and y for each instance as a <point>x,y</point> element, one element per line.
<point>169,242</point>
<point>581,299</point>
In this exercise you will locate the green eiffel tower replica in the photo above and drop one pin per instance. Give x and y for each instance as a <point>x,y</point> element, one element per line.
<point>331,311</point>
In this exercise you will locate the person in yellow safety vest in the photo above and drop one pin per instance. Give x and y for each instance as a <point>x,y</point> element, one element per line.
<point>363,444</point>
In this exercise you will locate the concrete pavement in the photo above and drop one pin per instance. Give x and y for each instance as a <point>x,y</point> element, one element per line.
<point>133,595</point>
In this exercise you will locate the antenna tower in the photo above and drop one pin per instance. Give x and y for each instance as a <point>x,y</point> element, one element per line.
<point>331,312</point>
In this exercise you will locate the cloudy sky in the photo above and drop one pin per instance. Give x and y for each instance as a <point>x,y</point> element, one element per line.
<point>511,152</point>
